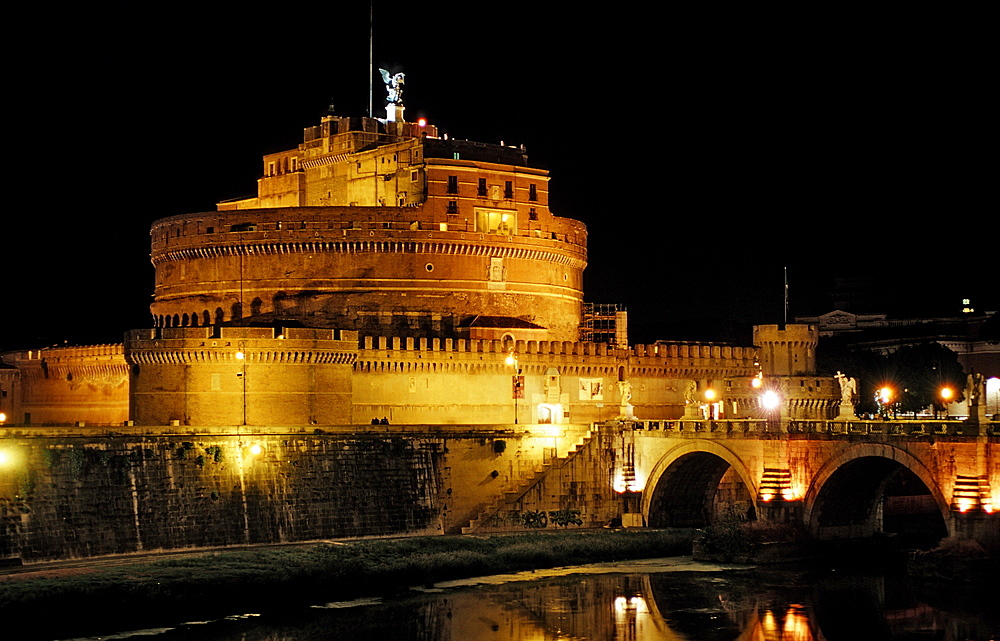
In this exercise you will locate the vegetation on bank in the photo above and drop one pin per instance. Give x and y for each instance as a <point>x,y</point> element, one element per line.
<point>152,591</point>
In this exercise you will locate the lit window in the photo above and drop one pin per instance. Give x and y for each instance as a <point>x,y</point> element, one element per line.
<point>492,221</point>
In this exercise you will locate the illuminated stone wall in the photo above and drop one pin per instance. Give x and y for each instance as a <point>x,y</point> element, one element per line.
<point>240,376</point>
<point>67,494</point>
<point>314,377</point>
<point>67,385</point>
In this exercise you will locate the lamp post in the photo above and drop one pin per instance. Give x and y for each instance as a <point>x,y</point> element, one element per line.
<point>242,358</point>
<point>517,381</point>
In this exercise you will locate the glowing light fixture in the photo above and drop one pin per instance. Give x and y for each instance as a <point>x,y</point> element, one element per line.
<point>770,400</point>
<point>776,485</point>
<point>8,458</point>
<point>240,356</point>
<point>971,494</point>
<point>710,395</point>
<point>256,449</point>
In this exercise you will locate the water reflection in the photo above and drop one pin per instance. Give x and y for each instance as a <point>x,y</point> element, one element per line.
<point>634,606</point>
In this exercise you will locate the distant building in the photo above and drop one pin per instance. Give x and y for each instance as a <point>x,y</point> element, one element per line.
<point>974,337</point>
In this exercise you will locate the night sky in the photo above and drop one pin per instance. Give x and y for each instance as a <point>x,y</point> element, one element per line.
<point>705,152</point>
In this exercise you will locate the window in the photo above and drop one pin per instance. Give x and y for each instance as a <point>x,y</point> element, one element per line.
<point>532,193</point>
<point>493,221</point>
<point>508,189</point>
<point>532,214</point>
<point>482,187</point>
<point>452,184</point>
<point>452,206</point>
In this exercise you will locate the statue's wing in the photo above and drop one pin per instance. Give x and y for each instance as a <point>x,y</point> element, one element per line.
<point>386,78</point>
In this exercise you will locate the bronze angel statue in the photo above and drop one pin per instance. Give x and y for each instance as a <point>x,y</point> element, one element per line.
<point>393,85</point>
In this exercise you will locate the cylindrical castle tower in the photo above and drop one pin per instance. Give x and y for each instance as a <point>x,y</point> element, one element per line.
<point>384,270</point>
<point>383,228</point>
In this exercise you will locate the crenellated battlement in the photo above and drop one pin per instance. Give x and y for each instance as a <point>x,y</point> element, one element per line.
<point>688,360</point>
<point>233,345</point>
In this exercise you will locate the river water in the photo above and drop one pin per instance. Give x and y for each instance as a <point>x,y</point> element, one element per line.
<point>650,600</point>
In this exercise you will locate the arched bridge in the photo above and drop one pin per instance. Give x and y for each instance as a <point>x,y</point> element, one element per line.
<point>840,479</point>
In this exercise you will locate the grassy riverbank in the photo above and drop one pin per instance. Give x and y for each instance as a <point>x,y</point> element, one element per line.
<point>151,591</point>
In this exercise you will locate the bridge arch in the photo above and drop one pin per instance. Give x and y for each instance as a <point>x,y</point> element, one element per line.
<point>681,488</point>
<point>847,496</point>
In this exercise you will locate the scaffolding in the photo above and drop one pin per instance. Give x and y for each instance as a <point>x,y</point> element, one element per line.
<point>604,323</point>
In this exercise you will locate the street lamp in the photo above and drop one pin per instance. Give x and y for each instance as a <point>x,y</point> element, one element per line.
<point>947,394</point>
<point>884,399</point>
<point>770,401</point>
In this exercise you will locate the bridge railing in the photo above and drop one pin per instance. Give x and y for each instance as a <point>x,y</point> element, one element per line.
<point>752,427</point>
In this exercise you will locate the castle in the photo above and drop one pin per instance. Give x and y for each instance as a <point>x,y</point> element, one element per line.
<point>386,272</point>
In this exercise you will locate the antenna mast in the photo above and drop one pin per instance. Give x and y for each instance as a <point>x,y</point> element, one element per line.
<point>786,295</point>
<point>371,37</point>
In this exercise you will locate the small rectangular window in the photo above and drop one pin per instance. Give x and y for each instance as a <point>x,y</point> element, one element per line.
<point>508,189</point>
<point>532,193</point>
<point>452,184</point>
<point>482,187</point>
<point>452,206</point>
<point>532,214</point>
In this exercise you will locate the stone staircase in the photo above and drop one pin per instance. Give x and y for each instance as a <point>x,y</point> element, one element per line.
<point>508,497</point>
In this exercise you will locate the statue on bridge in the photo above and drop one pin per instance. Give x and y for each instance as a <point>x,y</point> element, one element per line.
<point>689,392</point>
<point>975,388</point>
<point>848,388</point>
<point>848,392</point>
<point>625,388</point>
